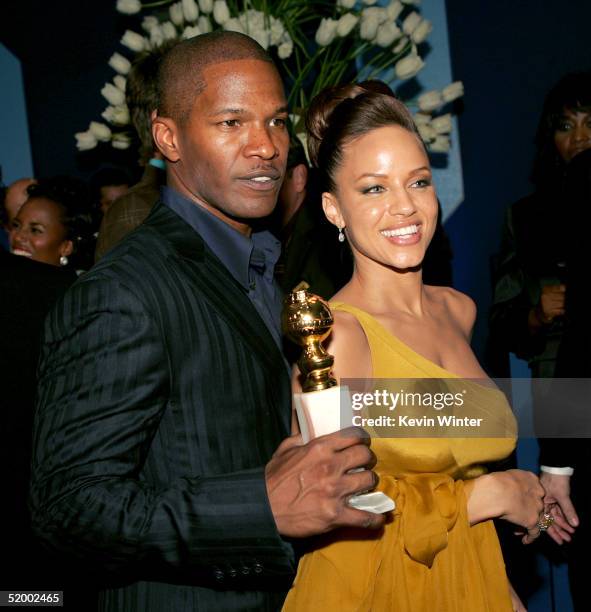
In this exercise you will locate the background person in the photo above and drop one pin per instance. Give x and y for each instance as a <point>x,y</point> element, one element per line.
<point>54,225</point>
<point>141,96</point>
<point>572,456</point>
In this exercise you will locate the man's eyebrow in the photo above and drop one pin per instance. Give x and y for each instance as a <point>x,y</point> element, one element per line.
<point>242,111</point>
<point>227,111</point>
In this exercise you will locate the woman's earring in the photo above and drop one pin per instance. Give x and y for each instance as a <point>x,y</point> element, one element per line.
<point>341,235</point>
<point>63,260</point>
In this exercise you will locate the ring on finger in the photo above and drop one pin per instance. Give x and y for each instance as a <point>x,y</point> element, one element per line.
<point>546,521</point>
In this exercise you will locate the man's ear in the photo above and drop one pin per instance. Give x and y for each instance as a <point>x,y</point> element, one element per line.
<point>164,133</point>
<point>299,177</point>
<point>331,209</point>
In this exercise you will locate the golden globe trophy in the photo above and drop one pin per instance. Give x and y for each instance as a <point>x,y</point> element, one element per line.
<point>323,407</point>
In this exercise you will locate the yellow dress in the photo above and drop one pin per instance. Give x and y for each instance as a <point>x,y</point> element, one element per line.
<point>427,558</point>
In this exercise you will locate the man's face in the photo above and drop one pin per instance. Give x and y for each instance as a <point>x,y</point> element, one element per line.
<point>109,193</point>
<point>233,148</point>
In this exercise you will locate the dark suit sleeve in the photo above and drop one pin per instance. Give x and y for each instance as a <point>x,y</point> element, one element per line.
<point>511,300</point>
<point>104,385</point>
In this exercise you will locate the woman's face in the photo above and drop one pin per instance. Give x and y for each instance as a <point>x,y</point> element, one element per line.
<point>572,134</point>
<point>385,198</point>
<point>38,232</point>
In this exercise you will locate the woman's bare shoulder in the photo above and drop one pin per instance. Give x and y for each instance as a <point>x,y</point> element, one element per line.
<point>460,307</point>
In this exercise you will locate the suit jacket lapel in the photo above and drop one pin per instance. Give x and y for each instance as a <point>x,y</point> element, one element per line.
<point>214,281</point>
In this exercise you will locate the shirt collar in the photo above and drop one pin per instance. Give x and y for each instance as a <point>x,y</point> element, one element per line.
<point>236,251</point>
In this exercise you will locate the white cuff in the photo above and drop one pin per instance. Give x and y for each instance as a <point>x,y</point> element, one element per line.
<point>558,471</point>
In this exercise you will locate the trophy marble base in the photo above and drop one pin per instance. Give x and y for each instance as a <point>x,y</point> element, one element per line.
<point>324,412</point>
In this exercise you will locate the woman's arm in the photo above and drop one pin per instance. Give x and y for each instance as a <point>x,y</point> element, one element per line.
<point>513,495</point>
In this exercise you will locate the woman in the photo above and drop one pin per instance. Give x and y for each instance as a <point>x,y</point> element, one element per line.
<point>53,226</point>
<point>439,551</point>
<point>528,308</point>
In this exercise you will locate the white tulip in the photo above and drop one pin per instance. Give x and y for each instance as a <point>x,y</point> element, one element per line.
<point>191,31</point>
<point>120,82</point>
<point>453,91</point>
<point>168,31</point>
<point>408,66</point>
<point>440,145</point>
<point>176,13</point>
<point>422,31</point>
<point>117,115</point>
<point>206,6</point>
<point>347,4</point>
<point>234,25</point>
<point>204,24</point>
<point>112,94</point>
<point>262,36</point>
<point>190,10</point>
<point>156,36</point>
<point>119,63</point>
<point>277,32</point>
<point>376,12</point>
<point>327,32</point>
<point>421,119</point>
<point>100,131</point>
<point>411,23</point>
<point>134,41</point>
<point>399,46</point>
<point>427,132</point>
<point>387,34</point>
<point>129,7</point>
<point>442,124</point>
<point>120,141</point>
<point>430,100</point>
<point>221,12</point>
<point>150,22</point>
<point>394,9</point>
<point>85,141</point>
<point>369,27</point>
<point>285,49</point>
<point>346,24</point>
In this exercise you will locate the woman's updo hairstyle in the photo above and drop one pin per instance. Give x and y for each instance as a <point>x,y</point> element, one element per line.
<point>339,115</point>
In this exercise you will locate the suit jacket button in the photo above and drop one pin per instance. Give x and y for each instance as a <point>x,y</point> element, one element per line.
<point>245,570</point>
<point>258,568</point>
<point>218,574</point>
<point>232,572</point>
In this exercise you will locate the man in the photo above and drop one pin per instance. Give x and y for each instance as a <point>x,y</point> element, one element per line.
<point>141,96</point>
<point>163,393</point>
<point>566,461</point>
<point>310,250</point>
<point>109,184</point>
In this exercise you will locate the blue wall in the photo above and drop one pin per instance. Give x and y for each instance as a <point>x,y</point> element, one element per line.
<point>15,153</point>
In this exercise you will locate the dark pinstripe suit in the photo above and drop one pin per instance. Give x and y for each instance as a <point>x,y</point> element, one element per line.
<point>162,396</point>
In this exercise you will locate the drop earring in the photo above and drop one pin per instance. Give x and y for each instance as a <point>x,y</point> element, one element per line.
<point>63,260</point>
<point>341,235</point>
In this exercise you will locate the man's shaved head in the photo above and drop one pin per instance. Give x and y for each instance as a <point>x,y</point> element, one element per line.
<point>180,78</point>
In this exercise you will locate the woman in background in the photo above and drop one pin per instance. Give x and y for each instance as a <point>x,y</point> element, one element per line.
<point>440,550</point>
<point>529,284</point>
<point>54,225</point>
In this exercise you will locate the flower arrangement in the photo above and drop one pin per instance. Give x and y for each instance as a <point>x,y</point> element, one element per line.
<point>317,43</point>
